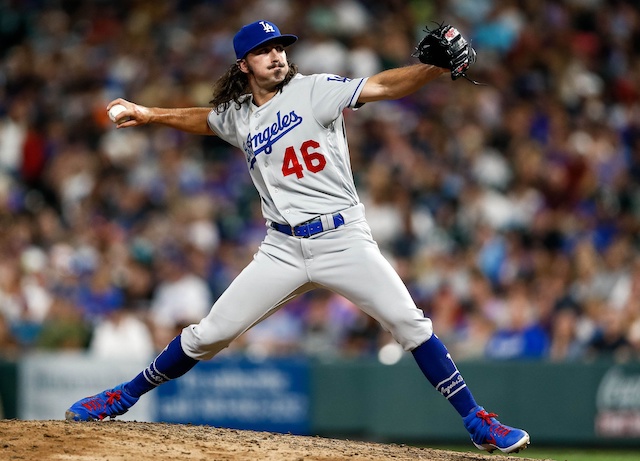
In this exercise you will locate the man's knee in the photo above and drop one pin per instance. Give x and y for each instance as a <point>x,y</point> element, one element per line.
<point>411,333</point>
<point>203,342</point>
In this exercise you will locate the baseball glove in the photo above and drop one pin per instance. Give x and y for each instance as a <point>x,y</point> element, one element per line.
<point>446,47</point>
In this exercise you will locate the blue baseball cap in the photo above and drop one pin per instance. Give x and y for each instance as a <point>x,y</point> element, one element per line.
<point>258,33</point>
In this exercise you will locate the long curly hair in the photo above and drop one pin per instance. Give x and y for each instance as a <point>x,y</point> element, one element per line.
<point>234,84</point>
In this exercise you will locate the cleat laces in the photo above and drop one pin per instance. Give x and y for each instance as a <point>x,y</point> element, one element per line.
<point>496,427</point>
<point>113,396</point>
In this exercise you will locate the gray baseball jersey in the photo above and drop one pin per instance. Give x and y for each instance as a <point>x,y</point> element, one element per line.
<point>296,147</point>
<point>296,151</point>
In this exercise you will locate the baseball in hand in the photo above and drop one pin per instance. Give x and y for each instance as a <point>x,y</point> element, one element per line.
<point>115,111</point>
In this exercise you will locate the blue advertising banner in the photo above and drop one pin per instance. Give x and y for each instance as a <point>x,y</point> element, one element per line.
<point>234,392</point>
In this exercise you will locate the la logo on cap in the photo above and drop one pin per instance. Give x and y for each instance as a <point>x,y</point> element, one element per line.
<point>267,27</point>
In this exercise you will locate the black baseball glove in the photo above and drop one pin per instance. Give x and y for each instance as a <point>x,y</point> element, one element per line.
<point>446,47</point>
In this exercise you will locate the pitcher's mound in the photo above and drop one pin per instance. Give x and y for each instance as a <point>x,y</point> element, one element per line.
<point>125,440</point>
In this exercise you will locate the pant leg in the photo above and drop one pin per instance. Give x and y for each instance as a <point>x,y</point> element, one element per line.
<point>276,275</point>
<point>349,262</point>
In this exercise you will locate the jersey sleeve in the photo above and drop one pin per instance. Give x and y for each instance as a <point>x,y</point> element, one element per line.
<point>223,125</point>
<point>331,94</point>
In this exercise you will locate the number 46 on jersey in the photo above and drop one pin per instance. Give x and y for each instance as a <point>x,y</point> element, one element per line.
<point>313,160</point>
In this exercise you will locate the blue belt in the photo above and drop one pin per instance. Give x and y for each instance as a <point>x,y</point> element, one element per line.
<point>309,228</point>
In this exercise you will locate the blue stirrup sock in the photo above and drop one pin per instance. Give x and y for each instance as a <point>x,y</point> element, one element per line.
<point>170,364</point>
<point>436,364</point>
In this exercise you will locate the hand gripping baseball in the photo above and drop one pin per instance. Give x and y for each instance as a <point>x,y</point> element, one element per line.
<point>125,114</point>
<point>446,47</point>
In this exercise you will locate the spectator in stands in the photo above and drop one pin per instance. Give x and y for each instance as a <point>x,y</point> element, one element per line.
<point>122,334</point>
<point>519,335</point>
<point>549,152</point>
<point>180,296</point>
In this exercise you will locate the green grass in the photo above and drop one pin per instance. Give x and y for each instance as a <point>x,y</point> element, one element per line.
<point>569,454</point>
<point>583,454</point>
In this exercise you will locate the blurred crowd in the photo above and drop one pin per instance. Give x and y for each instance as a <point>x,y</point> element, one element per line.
<point>511,209</point>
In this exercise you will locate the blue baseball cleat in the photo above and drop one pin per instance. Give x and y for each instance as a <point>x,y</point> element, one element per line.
<point>110,403</point>
<point>487,433</point>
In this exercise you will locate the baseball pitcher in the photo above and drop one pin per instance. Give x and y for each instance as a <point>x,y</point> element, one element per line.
<point>291,131</point>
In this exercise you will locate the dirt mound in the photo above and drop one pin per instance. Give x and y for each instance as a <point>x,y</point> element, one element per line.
<point>124,440</point>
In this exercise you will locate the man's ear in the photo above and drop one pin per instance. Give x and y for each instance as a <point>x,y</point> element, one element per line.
<point>242,64</point>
